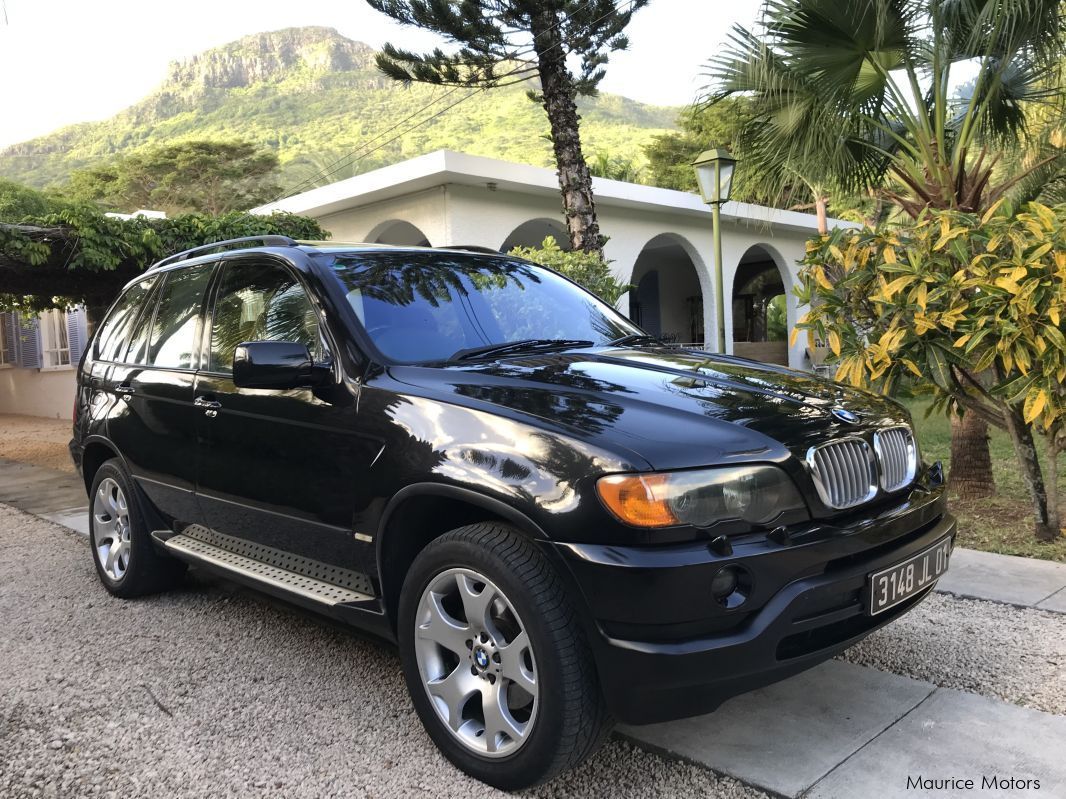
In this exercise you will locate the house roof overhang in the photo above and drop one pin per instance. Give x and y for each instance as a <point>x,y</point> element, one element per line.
<point>444,167</point>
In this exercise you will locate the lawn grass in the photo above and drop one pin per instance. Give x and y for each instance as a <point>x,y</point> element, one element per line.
<point>1002,523</point>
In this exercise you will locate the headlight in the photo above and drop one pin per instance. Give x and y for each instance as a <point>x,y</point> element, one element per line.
<point>755,495</point>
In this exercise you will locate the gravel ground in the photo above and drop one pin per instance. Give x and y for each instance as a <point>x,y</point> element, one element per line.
<point>986,648</point>
<point>31,439</point>
<point>211,691</point>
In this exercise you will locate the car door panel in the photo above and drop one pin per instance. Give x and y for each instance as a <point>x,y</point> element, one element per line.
<point>279,468</point>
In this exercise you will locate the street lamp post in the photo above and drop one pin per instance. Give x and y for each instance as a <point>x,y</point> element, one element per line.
<point>714,173</point>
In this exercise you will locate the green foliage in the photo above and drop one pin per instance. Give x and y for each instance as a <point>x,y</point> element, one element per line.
<point>614,167</point>
<point>586,269</point>
<point>188,177</point>
<point>848,96</point>
<point>670,155</point>
<point>18,202</point>
<point>78,255</point>
<point>974,308</point>
<point>319,106</point>
<point>777,319</point>
<point>492,50</point>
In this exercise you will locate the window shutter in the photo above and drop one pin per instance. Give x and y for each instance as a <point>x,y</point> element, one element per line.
<point>10,323</point>
<point>76,333</point>
<point>28,342</point>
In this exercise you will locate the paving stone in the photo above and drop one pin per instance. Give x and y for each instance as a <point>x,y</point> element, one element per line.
<point>1002,578</point>
<point>1055,602</point>
<point>786,737</point>
<point>956,735</point>
<point>75,518</point>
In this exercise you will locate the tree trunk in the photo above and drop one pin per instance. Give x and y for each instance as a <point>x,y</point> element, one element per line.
<point>971,464</point>
<point>820,210</point>
<point>557,86</point>
<point>1052,464</point>
<point>1022,437</point>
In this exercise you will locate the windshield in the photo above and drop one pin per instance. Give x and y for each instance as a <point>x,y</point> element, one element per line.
<point>422,307</point>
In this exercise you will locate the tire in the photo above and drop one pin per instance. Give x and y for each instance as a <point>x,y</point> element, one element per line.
<point>127,562</point>
<point>554,715</point>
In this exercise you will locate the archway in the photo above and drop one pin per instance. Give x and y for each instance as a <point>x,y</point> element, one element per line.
<point>533,232</point>
<point>762,316</point>
<point>668,298</point>
<point>398,232</point>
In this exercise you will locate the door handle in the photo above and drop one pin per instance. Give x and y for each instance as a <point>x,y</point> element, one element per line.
<point>125,388</point>
<point>211,407</point>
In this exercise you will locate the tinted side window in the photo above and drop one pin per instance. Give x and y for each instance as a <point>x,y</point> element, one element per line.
<point>114,334</point>
<point>174,339</point>
<point>260,302</point>
<point>137,350</point>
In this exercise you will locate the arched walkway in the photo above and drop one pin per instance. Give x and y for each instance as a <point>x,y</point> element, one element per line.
<point>669,298</point>
<point>763,312</point>
<point>399,232</point>
<point>533,232</point>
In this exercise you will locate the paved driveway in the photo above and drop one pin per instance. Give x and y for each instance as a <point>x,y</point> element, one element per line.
<point>219,691</point>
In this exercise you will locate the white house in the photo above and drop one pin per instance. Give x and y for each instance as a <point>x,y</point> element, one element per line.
<point>38,355</point>
<point>660,241</point>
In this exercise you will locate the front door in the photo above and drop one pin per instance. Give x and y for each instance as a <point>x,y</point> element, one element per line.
<point>284,469</point>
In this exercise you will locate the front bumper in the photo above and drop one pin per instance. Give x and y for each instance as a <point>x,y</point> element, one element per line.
<point>666,649</point>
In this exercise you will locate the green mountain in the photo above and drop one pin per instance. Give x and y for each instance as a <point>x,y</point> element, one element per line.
<point>316,96</point>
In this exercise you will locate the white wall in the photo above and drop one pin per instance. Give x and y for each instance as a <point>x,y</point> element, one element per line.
<point>35,392</point>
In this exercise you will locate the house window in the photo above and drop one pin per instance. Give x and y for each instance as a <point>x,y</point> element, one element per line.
<point>54,343</point>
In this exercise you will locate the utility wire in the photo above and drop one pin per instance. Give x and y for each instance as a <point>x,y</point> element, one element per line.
<point>355,156</point>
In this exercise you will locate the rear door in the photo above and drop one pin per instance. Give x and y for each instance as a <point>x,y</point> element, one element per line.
<point>154,423</point>
<point>280,468</point>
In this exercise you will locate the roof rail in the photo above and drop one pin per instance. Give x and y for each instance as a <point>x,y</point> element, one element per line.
<point>469,248</point>
<point>265,241</point>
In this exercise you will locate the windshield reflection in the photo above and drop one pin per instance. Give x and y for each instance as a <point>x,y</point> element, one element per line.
<point>423,307</point>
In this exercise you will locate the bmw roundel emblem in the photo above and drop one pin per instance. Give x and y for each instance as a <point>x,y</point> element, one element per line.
<point>844,415</point>
<point>481,657</point>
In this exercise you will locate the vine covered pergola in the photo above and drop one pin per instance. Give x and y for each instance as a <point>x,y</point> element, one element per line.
<point>81,257</point>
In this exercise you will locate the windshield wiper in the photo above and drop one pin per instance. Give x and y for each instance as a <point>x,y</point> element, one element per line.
<point>634,338</point>
<point>525,345</point>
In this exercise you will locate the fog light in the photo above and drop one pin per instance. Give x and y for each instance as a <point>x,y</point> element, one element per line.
<point>725,583</point>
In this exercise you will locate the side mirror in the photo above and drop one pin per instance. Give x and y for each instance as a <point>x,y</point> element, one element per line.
<point>276,364</point>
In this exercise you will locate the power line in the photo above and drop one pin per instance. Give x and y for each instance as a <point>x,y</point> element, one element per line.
<point>355,156</point>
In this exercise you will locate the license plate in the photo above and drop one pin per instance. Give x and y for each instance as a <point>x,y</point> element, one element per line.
<point>889,587</point>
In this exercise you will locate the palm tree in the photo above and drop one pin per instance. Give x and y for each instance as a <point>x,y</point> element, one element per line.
<point>858,95</point>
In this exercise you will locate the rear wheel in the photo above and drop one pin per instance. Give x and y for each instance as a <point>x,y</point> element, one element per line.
<point>126,561</point>
<point>495,661</point>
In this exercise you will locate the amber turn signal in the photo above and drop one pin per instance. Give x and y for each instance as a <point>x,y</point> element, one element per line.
<point>638,499</point>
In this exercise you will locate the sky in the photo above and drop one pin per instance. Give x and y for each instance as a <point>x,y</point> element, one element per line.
<point>66,61</point>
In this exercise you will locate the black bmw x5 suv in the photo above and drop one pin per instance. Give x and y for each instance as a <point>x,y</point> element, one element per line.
<point>559,520</point>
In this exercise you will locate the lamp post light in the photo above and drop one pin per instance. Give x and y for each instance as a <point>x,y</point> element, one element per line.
<point>714,173</point>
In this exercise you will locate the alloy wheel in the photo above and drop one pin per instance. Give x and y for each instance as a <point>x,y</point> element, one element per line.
<point>111,528</point>
<point>476,662</point>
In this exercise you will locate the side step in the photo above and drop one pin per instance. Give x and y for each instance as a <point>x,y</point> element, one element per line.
<point>272,567</point>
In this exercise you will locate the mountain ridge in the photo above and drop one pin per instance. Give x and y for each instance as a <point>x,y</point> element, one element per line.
<point>314,96</point>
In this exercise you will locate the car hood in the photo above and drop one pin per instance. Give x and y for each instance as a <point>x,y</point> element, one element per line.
<point>674,408</point>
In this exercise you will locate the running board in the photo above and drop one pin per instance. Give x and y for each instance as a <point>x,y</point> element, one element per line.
<point>261,564</point>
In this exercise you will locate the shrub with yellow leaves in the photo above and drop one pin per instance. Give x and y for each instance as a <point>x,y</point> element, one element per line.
<point>972,306</point>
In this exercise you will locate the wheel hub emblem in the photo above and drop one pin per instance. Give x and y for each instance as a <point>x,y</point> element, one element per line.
<point>481,658</point>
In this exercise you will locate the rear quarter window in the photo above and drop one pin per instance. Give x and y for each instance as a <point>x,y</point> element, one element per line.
<point>114,336</point>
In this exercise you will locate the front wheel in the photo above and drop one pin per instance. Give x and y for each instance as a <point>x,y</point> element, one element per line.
<point>126,561</point>
<point>496,664</point>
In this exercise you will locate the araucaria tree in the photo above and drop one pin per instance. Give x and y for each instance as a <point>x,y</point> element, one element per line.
<point>860,94</point>
<point>511,41</point>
